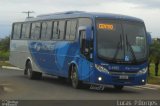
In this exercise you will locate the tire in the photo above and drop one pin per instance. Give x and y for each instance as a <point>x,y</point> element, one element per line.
<point>118,87</point>
<point>32,74</point>
<point>74,78</point>
<point>25,71</point>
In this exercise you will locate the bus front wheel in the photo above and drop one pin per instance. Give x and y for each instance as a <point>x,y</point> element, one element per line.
<point>32,74</point>
<point>74,78</point>
<point>118,87</point>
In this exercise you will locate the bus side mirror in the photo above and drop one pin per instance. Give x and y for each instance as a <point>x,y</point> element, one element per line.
<point>149,38</point>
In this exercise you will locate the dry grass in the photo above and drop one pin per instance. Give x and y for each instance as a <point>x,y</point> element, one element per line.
<point>152,79</point>
<point>5,63</point>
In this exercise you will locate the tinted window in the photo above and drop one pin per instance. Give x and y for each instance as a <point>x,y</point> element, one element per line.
<point>109,38</point>
<point>136,39</point>
<point>35,31</point>
<point>85,22</point>
<point>55,30</point>
<point>16,31</point>
<point>61,29</point>
<point>25,30</point>
<point>68,30</point>
<point>71,30</point>
<point>46,30</point>
<point>121,40</point>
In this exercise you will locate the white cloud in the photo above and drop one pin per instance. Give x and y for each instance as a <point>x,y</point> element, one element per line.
<point>145,3</point>
<point>148,10</point>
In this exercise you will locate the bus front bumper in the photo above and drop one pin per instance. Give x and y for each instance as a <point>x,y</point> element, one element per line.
<point>125,80</point>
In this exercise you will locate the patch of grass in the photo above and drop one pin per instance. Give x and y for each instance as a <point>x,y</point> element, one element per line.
<point>4,55</point>
<point>4,63</point>
<point>152,79</point>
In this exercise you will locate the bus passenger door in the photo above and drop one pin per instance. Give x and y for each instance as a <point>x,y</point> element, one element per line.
<point>84,56</point>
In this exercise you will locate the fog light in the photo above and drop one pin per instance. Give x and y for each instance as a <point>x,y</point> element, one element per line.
<point>99,78</point>
<point>143,80</point>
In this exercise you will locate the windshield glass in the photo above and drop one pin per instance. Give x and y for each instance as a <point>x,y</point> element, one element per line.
<point>109,39</point>
<point>120,40</point>
<point>136,39</point>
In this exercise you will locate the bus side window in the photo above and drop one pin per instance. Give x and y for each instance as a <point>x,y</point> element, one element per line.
<point>71,29</point>
<point>46,30</point>
<point>25,31</point>
<point>61,29</point>
<point>35,31</point>
<point>82,41</point>
<point>68,30</point>
<point>55,30</point>
<point>16,31</point>
<point>85,22</point>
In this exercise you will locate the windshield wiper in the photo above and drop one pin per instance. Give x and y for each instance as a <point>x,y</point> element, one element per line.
<point>131,49</point>
<point>119,46</point>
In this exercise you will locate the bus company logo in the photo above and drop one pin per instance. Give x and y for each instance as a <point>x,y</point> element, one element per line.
<point>37,47</point>
<point>104,64</point>
<point>105,26</point>
<point>127,68</point>
<point>114,68</point>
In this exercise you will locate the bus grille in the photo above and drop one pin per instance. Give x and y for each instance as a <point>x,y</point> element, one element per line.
<point>122,73</point>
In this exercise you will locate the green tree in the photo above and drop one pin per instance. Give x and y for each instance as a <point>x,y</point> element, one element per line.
<point>4,44</point>
<point>4,49</point>
<point>155,55</point>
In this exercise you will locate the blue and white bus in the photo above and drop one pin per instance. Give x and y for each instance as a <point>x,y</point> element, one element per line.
<point>85,47</point>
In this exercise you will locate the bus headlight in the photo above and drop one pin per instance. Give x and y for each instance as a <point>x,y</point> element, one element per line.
<point>101,69</point>
<point>143,71</point>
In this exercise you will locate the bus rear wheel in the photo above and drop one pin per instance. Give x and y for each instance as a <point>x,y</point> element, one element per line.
<point>118,87</point>
<point>32,74</point>
<point>74,78</point>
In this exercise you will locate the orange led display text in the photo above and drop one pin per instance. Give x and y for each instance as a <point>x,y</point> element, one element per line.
<point>105,26</point>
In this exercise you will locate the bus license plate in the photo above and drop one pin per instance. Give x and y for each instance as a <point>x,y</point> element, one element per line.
<point>123,77</point>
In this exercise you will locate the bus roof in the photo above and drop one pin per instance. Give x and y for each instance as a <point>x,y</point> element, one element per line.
<point>76,14</point>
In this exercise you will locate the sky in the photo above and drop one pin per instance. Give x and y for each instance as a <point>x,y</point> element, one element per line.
<point>147,10</point>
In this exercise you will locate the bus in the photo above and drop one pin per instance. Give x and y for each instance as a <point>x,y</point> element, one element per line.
<point>84,47</point>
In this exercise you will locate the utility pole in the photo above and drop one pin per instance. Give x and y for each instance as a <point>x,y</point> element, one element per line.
<point>28,13</point>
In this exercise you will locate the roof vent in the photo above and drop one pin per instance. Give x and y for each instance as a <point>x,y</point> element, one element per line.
<point>60,13</point>
<point>72,12</point>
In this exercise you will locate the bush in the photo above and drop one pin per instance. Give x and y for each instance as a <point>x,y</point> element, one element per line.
<point>4,48</point>
<point>4,44</point>
<point>4,55</point>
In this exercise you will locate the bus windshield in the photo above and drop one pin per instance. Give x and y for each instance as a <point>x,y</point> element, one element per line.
<point>121,40</point>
